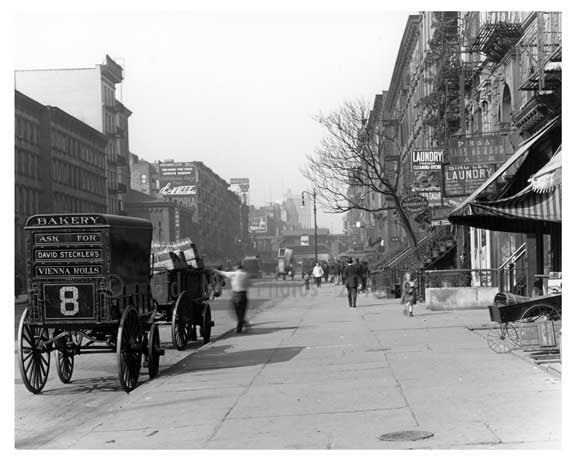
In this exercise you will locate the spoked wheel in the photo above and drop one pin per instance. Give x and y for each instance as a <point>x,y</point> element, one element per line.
<point>129,349</point>
<point>153,351</point>
<point>179,330</point>
<point>64,357</point>
<point>540,313</point>
<point>206,324</point>
<point>503,338</point>
<point>34,356</point>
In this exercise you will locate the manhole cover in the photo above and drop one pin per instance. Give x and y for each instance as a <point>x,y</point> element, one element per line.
<point>405,436</point>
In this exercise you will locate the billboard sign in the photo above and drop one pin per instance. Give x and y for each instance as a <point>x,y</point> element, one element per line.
<point>477,149</point>
<point>240,184</point>
<point>178,173</point>
<point>258,225</point>
<point>462,180</point>
<point>304,241</point>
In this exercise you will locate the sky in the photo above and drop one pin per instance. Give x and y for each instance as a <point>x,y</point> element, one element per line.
<point>235,90</point>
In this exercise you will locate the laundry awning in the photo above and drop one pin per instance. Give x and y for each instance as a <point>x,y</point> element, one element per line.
<point>537,207</point>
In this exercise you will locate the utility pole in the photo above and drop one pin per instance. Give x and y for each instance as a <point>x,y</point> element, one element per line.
<point>315,225</point>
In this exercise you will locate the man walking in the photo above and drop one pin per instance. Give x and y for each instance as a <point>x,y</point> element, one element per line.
<point>239,282</point>
<point>350,278</point>
<point>317,273</point>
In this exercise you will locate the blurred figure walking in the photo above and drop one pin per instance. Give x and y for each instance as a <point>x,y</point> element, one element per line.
<point>239,282</point>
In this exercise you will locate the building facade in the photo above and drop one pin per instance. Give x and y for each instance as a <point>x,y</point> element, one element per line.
<point>217,209</point>
<point>60,166</point>
<point>143,176</point>
<point>89,94</point>
<point>467,88</point>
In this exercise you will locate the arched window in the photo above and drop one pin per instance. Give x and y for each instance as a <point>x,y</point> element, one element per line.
<point>506,107</point>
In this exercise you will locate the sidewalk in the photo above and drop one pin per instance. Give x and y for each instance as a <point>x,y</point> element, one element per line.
<point>315,374</point>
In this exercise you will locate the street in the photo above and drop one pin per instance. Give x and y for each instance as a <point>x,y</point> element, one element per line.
<point>310,373</point>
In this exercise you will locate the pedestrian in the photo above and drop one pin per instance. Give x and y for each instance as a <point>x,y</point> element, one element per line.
<point>351,278</point>
<point>239,282</point>
<point>326,269</point>
<point>317,273</point>
<point>307,281</point>
<point>408,294</point>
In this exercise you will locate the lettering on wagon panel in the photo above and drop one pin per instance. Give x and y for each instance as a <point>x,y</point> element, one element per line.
<point>68,254</point>
<point>49,239</point>
<point>68,271</point>
<point>67,220</point>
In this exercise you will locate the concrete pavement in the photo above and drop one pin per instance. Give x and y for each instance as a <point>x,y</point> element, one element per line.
<point>314,374</point>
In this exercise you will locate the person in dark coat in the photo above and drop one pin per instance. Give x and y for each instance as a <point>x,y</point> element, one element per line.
<point>351,278</point>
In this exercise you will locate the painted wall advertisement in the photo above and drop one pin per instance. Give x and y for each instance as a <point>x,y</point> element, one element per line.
<point>258,225</point>
<point>462,180</point>
<point>427,174</point>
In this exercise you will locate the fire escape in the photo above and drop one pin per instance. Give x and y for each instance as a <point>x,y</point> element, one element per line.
<point>540,53</point>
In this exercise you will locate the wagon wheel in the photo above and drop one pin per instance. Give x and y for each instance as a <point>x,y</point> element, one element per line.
<point>153,351</point>
<point>64,357</point>
<point>503,338</point>
<point>206,324</point>
<point>129,349</point>
<point>540,313</point>
<point>34,356</point>
<point>179,330</point>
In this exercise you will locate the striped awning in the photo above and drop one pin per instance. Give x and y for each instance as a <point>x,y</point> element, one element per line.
<point>536,208</point>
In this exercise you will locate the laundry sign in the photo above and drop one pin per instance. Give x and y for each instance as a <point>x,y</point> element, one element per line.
<point>462,180</point>
<point>429,159</point>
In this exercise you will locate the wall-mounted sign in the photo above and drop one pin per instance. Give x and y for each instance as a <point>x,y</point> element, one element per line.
<point>414,203</point>
<point>178,173</point>
<point>170,189</point>
<point>304,241</point>
<point>462,180</point>
<point>477,149</point>
<point>427,159</point>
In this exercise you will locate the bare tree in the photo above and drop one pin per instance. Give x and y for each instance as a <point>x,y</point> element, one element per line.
<point>348,164</point>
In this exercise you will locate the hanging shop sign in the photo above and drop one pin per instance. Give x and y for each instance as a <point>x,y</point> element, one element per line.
<point>462,180</point>
<point>414,203</point>
<point>477,149</point>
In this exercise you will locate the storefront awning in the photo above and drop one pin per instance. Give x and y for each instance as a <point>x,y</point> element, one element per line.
<point>537,207</point>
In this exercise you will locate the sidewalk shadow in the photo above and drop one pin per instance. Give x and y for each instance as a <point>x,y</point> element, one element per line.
<point>217,358</point>
<point>88,385</point>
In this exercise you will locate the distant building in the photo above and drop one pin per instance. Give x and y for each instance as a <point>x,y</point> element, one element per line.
<point>217,209</point>
<point>143,176</point>
<point>89,94</point>
<point>60,166</point>
<point>170,221</point>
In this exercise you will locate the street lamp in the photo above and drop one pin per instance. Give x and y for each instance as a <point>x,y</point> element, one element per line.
<point>313,194</point>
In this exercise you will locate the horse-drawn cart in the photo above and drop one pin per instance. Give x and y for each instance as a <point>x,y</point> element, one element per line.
<point>517,315</point>
<point>88,292</point>
<point>182,288</point>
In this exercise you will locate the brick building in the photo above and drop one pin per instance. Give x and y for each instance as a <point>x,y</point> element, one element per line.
<point>60,166</point>
<point>89,94</point>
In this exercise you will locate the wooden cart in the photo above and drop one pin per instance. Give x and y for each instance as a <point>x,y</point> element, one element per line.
<point>88,292</point>
<point>182,301</point>
<point>516,314</point>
